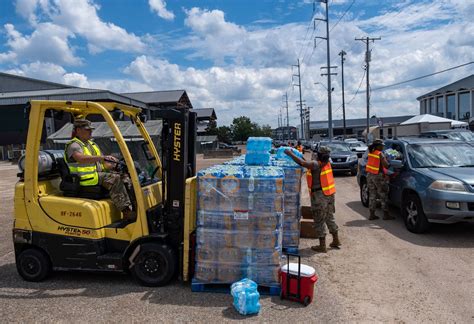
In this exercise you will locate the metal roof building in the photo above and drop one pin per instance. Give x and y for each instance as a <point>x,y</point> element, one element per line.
<point>16,91</point>
<point>353,126</point>
<point>453,101</point>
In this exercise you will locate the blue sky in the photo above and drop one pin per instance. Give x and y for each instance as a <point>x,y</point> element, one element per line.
<point>237,55</point>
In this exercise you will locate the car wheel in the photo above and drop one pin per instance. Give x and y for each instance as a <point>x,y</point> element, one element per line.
<point>364,192</point>
<point>353,172</point>
<point>154,265</point>
<point>33,265</point>
<point>413,214</point>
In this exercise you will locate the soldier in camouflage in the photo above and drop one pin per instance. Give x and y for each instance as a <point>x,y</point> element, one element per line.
<point>112,181</point>
<point>322,206</point>
<point>377,183</point>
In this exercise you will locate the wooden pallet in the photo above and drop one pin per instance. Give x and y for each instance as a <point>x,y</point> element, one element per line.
<point>197,286</point>
<point>291,249</point>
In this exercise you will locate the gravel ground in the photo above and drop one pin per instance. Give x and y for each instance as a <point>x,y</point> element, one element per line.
<point>383,273</point>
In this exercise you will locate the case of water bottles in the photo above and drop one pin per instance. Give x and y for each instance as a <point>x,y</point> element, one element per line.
<point>239,224</point>
<point>258,151</point>
<point>246,297</point>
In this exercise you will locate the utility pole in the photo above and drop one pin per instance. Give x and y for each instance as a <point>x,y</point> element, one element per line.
<point>308,128</point>
<point>328,67</point>
<point>301,99</point>
<point>342,53</point>
<point>287,117</point>
<point>367,40</point>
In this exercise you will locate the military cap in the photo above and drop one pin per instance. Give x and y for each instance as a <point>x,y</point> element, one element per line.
<point>83,123</point>
<point>324,150</point>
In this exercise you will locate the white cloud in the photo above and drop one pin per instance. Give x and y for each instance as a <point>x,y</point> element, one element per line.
<point>48,43</point>
<point>260,47</point>
<point>233,91</point>
<point>76,79</point>
<point>81,17</point>
<point>27,9</point>
<point>50,72</point>
<point>159,6</point>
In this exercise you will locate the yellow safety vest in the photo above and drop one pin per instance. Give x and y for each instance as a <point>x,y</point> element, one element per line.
<point>87,172</point>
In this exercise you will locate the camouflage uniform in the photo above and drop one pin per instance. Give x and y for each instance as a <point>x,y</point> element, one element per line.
<point>322,207</point>
<point>378,187</point>
<point>114,183</point>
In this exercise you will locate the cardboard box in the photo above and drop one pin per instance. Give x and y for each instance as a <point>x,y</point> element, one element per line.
<point>306,212</point>
<point>307,229</point>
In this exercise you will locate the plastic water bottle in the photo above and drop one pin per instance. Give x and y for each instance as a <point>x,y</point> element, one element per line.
<point>246,297</point>
<point>259,144</point>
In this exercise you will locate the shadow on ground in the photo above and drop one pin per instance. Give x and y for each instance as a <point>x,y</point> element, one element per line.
<point>459,235</point>
<point>103,285</point>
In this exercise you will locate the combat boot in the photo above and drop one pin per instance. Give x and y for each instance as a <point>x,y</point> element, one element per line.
<point>335,241</point>
<point>372,215</point>
<point>321,248</point>
<point>387,216</point>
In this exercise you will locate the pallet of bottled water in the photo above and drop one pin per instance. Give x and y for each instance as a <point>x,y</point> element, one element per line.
<point>239,224</point>
<point>292,188</point>
<point>292,183</point>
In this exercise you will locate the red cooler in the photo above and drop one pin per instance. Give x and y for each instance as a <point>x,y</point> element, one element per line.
<point>297,281</point>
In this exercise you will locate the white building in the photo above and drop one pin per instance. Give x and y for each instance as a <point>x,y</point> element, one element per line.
<point>454,101</point>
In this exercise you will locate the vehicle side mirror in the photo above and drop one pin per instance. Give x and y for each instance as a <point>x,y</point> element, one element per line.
<point>397,164</point>
<point>353,149</point>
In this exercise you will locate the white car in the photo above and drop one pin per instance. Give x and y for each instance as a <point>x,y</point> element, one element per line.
<point>358,147</point>
<point>351,140</point>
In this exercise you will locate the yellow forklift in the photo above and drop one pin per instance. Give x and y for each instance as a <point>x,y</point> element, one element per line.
<point>60,225</point>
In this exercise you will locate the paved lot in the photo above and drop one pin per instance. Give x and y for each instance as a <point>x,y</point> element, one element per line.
<point>383,273</point>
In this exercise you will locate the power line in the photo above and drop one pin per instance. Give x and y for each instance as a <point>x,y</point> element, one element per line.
<point>422,77</point>
<point>355,94</point>
<point>340,18</point>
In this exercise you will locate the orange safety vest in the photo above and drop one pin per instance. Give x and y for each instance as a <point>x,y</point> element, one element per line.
<point>373,162</point>
<point>325,177</point>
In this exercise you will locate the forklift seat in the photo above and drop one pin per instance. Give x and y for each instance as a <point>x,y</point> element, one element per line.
<point>71,187</point>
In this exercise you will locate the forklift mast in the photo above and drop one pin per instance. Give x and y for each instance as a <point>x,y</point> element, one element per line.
<point>179,163</point>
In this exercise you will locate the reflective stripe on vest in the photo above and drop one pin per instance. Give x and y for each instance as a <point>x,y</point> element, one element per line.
<point>373,162</point>
<point>309,180</point>
<point>327,180</point>
<point>87,173</point>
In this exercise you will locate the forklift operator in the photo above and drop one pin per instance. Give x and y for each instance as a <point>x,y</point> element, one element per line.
<point>84,158</point>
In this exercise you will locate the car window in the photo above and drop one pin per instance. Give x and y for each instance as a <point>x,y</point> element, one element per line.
<point>335,147</point>
<point>460,136</point>
<point>440,155</point>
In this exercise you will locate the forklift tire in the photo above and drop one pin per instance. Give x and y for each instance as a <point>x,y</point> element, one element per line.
<point>33,265</point>
<point>155,265</point>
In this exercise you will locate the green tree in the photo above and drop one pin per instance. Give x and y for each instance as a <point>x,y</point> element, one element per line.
<point>242,128</point>
<point>224,134</point>
<point>266,130</point>
<point>212,128</point>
